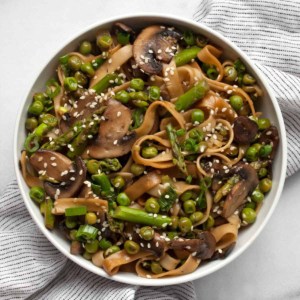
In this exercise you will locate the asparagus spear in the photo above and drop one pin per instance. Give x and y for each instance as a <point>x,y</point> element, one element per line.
<point>139,216</point>
<point>178,158</point>
<point>185,56</point>
<point>49,217</point>
<point>226,188</point>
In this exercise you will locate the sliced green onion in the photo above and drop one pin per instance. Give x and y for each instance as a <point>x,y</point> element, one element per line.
<point>75,211</point>
<point>86,232</point>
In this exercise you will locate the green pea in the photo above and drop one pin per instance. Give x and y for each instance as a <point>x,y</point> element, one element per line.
<point>189,207</point>
<point>122,96</point>
<point>70,83</point>
<point>174,222</point>
<point>149,152</point>
<point>152,206</point>
<point>248,215</point>
<point>137,84</point>
<point>156,268</point>
<point>196,217</point>
<point>212,73</point>
<point>70,222</point>
<point>81,78</point>
<point>147,233</point>
<point>88,69</point>
<point>131,247</point>
<point>236,102</point>
<point>188,195</point>
<point>92,246</point>
<point>93,166</point>
<point>248,79</point>
<point>74,63</point>
<point>265,150</point>
<point>252,154</point>
<point>232,151</point>
<point>154,93</point>
<point>265,185</point>
<point>185,224</point>
<point>104,41</point>
<point>209,223</point>
<point>87,255</point>
<point>123,38</point>
<point>90,218</point>
<point>104,244</point>
<point>251,205</point>
<point>85,47</point>
<point>31,124</point>
<point>111,250</point>
<point>118,182</point>
<point>263,172</point>
<point>137,169</point>
<point>257,196</point>
<point>36,108</point>
<point>197,116</point>
<point>180,132</point>
<point>48,119</point>
<point>37,194</point>
<point>123,199</point>
<point>196,134</point>
<point>230,73</point>
<point>138,96</point>
<point>263,123</point>
<point>172,235</point>
<point>39,97</point>
<point>72,234</point>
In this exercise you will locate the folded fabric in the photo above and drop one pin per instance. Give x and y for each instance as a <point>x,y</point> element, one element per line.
<point>269,32</point>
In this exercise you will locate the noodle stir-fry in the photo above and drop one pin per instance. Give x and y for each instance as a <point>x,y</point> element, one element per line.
<point>147,152</point>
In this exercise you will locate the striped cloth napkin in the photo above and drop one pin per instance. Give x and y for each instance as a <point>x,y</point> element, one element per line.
<point>269,32</point>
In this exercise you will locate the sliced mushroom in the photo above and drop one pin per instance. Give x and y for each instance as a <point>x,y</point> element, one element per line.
<point>244,130</point>
<point>203,246</point>
<point>113,139</point>
<point>52,165</point>
<point>67,189</point>
<point>270,136</point>
<point>154,45</point>
<point>238,194</point>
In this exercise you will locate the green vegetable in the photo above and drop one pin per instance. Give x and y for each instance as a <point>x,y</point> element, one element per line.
<point>111,250</point>
<point>154,93</point>
<point>263,172</point>
<point>149,152</point>
<point>70,83</point>
<point>118,182</point>
<point>147,233</point>
<point>230,74</point>
<point>90,218</point>
<point>265,185</point>
<point>48,119</point>
<point>104,244</point>
<point>123,199</point>
<point>156,268</point>
<point>70,222</point>
<point>104,41</point>
<point>72,234</point>
<point>248,215</point>
<point>99,61</point>
<point>252,153</point>
<point>140,217</point>
<point>189,207</point>
<point>263,123</point>
<point>196,217</point>
<point>189,98</point>
<point>186,55</point>
<point>137,169</point>
<point>110,164</point>
<point>131,247</point>
<point>91,246</point>
<point>212,72</point>
<point>185,224</point>
<point>36,108</point>
<point>74,63</point>
<point>236,102</point>
<point>86,232</point>
<point>93,166</point>
<point>204,185</point>
<point>174,222</point>
<point>257,196</point>
<point>63,60</point>
<point>137,84</point>
<point>190,145</point>
<point>75,211</point>
<point>178,158</point>
<point>85,48</point>
<point>31,123</point>
<point>37,194</point>
<point>87,255</point>
<point>167,199</point>
<point>189,38</point>
<point>248,79</point>
<point>81,78</point>
<point>107,81</point>
<point>180,132</point>
<point>152,206</point>
<point>226,188</point>
<point>197,116</point>
<point>52,88</point>
<point>88,69</point>
<point>209,223</point>
<point>188,195</point>
<point>123,38</point>
<point>265,150</point>
<point>122,96</point>
<point>137,118</point>
<point>49,217</point>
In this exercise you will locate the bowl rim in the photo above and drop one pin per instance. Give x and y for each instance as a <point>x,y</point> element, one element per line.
<point>139,280</point>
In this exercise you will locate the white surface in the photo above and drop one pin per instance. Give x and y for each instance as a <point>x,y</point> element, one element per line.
<point>31,30</point>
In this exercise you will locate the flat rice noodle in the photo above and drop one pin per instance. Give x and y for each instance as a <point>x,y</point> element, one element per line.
<point>189,266</point>
<point>172,80</point>
<point>92,204</point>
<point>209,55</point>
<point>98,258</point>
<point>142,185</point>
<point>225,235</point>
<point>29,179</point>
<point>188,76</point>
<point>112,263</point>
<point>117,60</point>
<point>149,118</point>
<point>168,262</point>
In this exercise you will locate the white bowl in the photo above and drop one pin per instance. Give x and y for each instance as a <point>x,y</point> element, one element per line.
<point>269,106</point>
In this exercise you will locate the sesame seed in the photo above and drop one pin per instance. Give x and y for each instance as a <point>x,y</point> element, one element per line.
<point>148,276</point>
<point>54,164</point>
<point>115,142</point>
<point>52,158</point>
<point>119,114</point>
<point>45,165</point>
<point>268,132</point>
<point>110,61</point>
<point>40,159</point>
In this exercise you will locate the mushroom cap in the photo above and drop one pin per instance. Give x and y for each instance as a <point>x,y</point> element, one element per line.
<point>244,130</point>
<point>53,163</point>
<point>238,194</point>
<point>113,139</point>
<point>68,189</point>
<point>203,246</point>
<point>154,45</point>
